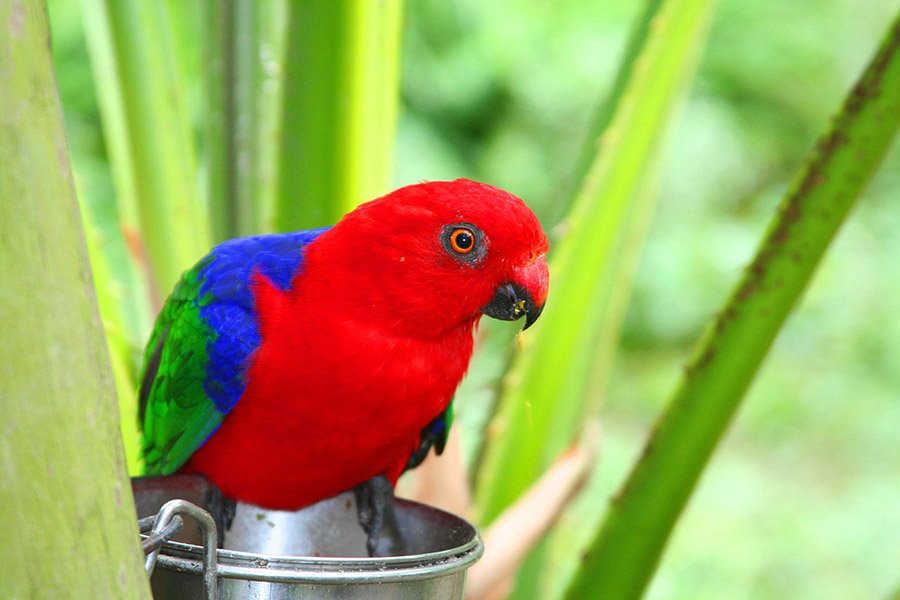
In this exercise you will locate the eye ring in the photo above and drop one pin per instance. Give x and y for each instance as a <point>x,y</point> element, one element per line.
<point>462,240</point>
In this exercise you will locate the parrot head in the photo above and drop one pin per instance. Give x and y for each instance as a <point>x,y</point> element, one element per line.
<point>437,255</point>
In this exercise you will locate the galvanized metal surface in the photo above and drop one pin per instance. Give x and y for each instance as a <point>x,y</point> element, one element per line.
<point>318,552</point>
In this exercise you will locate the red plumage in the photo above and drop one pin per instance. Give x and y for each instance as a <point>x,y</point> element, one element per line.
<point>370,342</point>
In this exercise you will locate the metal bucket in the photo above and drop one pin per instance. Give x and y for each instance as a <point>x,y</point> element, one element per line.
<point>316,552</point>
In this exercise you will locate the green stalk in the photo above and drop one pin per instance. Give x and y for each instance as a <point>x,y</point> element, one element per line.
<point>234,97</point>
<point>477,395</point>
<point>109,97</point>
<point>66,512</point>
<point>608,107</point>
<point>555,562</point>
<point>272,20</point>
<point>633,536</point>
<point>544,392</point>
<point>115,326</point>
<point>147,131</point>
<point>219,138</point>
<point>338,110</point>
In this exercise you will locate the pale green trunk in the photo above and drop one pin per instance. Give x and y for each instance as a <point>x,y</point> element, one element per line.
<point>67,526</point>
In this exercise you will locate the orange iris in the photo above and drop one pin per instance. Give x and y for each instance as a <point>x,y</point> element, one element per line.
<point>462,240</point>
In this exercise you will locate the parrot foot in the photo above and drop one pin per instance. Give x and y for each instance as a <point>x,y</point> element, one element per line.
<point>222,509</point>
<point>375,510</point>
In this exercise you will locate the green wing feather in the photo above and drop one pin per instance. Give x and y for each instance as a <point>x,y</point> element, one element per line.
<point>176,413</point>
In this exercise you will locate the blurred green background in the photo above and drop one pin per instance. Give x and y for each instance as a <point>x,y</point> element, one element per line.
<point>803,498</point>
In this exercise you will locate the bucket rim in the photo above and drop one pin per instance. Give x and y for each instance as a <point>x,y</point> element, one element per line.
<point>236,564</point>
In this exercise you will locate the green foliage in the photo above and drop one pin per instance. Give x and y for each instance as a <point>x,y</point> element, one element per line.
<point>111,306</point>
<point>733,347</point>
<point>817,411</point>
<point>543,396</point>
<point>148,136</point>
<point>243,40</point>
<point>508,92</point>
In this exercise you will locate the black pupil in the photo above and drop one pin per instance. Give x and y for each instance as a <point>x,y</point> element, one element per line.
<point>464,240</point>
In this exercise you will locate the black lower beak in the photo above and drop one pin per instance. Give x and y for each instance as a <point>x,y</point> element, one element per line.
<point>511,302</point>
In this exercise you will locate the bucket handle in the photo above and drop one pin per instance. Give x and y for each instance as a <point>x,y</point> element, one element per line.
<point>167,523</point>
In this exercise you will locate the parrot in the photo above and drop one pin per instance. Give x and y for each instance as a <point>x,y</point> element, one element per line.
<point>288,368</point>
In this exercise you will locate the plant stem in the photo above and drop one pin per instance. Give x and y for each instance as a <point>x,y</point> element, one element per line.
<point>66,514</point>
<point>236,37</point>
<point>147,132</point>
<point>219,119</point>
<point>115,327</point>
<point>543,397</point>
<point>640,519</point>
<point>606,109</point>
<point>339,108</point>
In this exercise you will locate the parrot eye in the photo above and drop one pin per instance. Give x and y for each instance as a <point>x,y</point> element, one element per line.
<point>464,242</point>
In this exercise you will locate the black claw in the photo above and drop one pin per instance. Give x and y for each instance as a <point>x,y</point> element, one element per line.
<point>375,510</point>
<point>222,508</point>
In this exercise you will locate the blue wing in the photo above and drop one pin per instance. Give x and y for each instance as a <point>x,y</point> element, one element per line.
<point>229,309</point>
<point>203,342</point>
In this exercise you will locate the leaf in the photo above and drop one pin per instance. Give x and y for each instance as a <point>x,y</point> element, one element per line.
<point>631,540</point>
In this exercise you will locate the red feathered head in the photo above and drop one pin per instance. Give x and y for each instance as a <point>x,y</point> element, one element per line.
<point>434,256</point>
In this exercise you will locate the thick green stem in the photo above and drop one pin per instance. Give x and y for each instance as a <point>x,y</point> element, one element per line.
<point>238,37</point>
<point>606,109</point>
<point>633,536</point>
<point>67,525</point>
<point>219,85</point>
<point>339,108</point>
<point>147,133</point>
<point>115,325</point>
<point>543,397</point>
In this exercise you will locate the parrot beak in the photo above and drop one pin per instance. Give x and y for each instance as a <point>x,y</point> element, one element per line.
<point>524,295</point>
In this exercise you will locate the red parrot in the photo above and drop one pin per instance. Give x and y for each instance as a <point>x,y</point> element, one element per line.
<point>288,368</point>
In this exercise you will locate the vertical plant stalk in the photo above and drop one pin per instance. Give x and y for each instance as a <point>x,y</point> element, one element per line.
<point>148,133</point>
<point>272,19</point>
<point>642,515</point>
<point>543,394</point>
<point>115,326</point>
<point>560,554</point>
<point>607,108</point>
<point>66,513</point>
<point>239,38</point>
<point>495,337</point>
<point>219,82</point>
<point>339,108</point>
